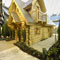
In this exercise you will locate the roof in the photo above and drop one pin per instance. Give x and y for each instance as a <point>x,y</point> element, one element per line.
<point>50,22</point>
<point>15,17</point>
<point>25,13</point>
<point>27,3</point>
<point>41,2</point>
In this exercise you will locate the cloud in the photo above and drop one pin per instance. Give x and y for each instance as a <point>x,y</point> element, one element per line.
<point>24,0</point>
<point>52,6</point>
<point>7,2</point>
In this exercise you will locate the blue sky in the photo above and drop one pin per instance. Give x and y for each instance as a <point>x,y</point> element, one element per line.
<point>57,17</point>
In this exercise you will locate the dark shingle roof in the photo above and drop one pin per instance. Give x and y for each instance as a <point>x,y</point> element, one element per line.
<point>26,14</point>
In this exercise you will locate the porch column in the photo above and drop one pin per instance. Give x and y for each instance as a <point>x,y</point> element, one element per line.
<point>27,37</point>
<point>21,34</point>
<point>16,37</point>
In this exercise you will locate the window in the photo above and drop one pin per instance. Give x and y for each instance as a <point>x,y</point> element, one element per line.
<point>49,29</point>
<point>44,18</point>
<point>37,30</point>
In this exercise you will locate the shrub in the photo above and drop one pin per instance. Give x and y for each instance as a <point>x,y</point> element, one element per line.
<point>52,54</point>
<point>29,50</point>
<point>24,35</point>
<point>59,32</point>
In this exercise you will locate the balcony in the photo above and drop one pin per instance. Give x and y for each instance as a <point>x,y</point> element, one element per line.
<point>44,18</point>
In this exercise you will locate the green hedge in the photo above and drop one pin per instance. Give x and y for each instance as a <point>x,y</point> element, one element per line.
<point>52,54</point>
<point>59,32</point>
<point>54,51</point>
<point>29,50</point>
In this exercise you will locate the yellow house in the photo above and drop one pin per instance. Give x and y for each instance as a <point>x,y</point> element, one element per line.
<point>30,17</point>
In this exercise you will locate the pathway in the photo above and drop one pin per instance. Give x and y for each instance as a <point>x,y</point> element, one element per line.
<point>44,44</point>
<point>8,51</point>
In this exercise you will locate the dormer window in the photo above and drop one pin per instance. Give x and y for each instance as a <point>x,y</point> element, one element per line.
<point>28,9</point>
<point>37,30</point>
<point>28,4</point>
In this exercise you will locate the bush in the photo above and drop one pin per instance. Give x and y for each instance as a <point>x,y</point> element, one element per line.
<point>52,54</point>
<point>24,35</point>
<point>44,53</point>
<point>29,50</point>
<point>54,51</point>
<point>6,31</point>
<point>59,32</point>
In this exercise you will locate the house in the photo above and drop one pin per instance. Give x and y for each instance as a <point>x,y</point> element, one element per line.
<point>1,14</point>
<point>30,17</point>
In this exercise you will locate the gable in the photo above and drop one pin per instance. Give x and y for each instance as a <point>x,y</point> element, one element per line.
<point>27,16</point>
<point>41,3</point>
<point>15,17</point>
<point>25,13</point>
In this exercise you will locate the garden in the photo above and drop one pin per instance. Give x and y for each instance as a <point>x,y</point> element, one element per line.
<point>52,54</point>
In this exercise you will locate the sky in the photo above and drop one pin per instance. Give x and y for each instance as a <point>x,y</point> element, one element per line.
<point>8,2</point>
<point>52,6</point>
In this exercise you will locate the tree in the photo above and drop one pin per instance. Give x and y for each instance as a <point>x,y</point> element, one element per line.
<point>59,32</point>
<point>12,33</point>
<point>5,29</point>
<point>24,35</point>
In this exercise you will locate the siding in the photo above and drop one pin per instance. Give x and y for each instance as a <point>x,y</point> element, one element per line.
<point>34,38</point>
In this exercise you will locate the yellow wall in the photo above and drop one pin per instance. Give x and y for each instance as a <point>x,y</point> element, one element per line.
<point>44,33</point>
